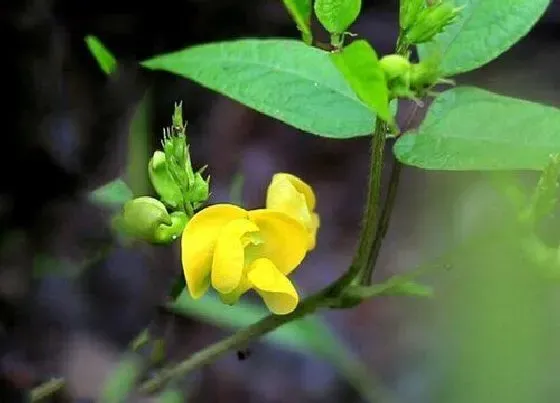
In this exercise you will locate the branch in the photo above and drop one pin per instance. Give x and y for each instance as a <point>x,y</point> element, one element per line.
<point>239,339</point>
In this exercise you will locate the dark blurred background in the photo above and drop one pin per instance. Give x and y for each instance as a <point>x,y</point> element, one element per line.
<point>78,327</point>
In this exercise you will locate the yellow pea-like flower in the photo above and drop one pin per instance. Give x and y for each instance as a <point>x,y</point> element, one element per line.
<point>235,250</point>
<point>289,194</point>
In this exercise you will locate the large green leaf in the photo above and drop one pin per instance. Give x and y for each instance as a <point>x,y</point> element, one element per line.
<point>282,78</point>
<point>359,64</point>
<point>483,30</point>
<point>473,129</point>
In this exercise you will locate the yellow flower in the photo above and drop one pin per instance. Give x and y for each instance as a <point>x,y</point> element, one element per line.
<point>236,250</point>
<point>289,194</point>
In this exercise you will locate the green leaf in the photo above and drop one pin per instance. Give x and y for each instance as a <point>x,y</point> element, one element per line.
<point>105,59</point>
<point>359,64</point>
<point>114,193</point>
<point>472,129</point>
<point>122,380</point>
<point>337,15</point>
<point>300,10</point>
<point>309,334</point>
<point>285,79</point>
<point>483,30</point>
<point>408,289</point>
<point>545,196</point>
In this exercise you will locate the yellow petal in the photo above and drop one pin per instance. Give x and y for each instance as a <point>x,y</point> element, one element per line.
<point>292,196</point>
<point>198,241</point>
<point>300,186</point>
<point>284,239</point>
<point>233,296</point>
<point>229,254</point>
<point>278,293</point>
<point>312,230</point>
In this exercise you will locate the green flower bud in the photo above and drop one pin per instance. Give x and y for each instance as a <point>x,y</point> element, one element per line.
<point>162,181</point>
<point>147,219</point>
<point>166,234</point>
<point>395,66</point>
<point>431,21</point>
<point>200,190</point>
<point>409,11</point>
<point>177,119</point>
<point>423,75</point>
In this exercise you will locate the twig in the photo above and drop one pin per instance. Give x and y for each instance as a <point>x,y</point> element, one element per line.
<point>238,339</point>
<point>47,389</point>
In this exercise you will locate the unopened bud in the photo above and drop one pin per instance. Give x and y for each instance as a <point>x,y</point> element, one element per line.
<point>395,66</point>
<point>147,219</point>
<point>409,11</point>
<point>163,182</point>
<point>431,21</point>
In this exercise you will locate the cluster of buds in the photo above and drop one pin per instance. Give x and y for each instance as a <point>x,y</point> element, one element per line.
<point>421,20</point>
<point>411,80</point>
<point>181,191</point>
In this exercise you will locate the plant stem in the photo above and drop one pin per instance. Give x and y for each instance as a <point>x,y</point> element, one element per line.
<point>384,221</point>
<point>47,389</point>
<point>387,212</point>
<point>237,340</point>
<point>371,215</point>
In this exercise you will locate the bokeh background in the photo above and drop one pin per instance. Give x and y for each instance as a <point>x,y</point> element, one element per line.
<point>455,347</point>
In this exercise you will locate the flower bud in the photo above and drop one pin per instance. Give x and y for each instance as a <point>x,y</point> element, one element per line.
<point>409,11</point>
<point>200,190</point>
<point>162,181</point>
<point>147,219</point>
<point>395,66</point>
<point>431,21</point>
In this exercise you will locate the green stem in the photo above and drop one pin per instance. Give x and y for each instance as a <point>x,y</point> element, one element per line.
<point>237,340</point>
<point>370,220</point>
<point>382,228</point>
<point>387,211</point>
<point>47,389</point>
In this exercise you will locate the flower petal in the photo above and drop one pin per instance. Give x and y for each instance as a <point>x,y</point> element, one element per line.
<point>291,195</point>
<point>233,296</point>
<point>278,293</point>
<point>284,238</point>
<point>229,254</point>
<point>300,186</point>
<point>198,241</point>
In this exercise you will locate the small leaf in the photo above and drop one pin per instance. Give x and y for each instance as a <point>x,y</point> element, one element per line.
<point>113,194</point>
<point>410,289</point>
<point>472,129</point>
<point>483,30</point>
<point>285,79</point>
<point>105,59</point>
<point>545,196</point>
<point>358,63</point>
<point>300,10</point>
<point>122,381</point>
<point>337,15</point>
<point>171,395</point>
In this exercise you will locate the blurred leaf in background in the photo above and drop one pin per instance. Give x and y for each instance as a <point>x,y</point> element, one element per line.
<point>112,194</point>
<point>495,339</point>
